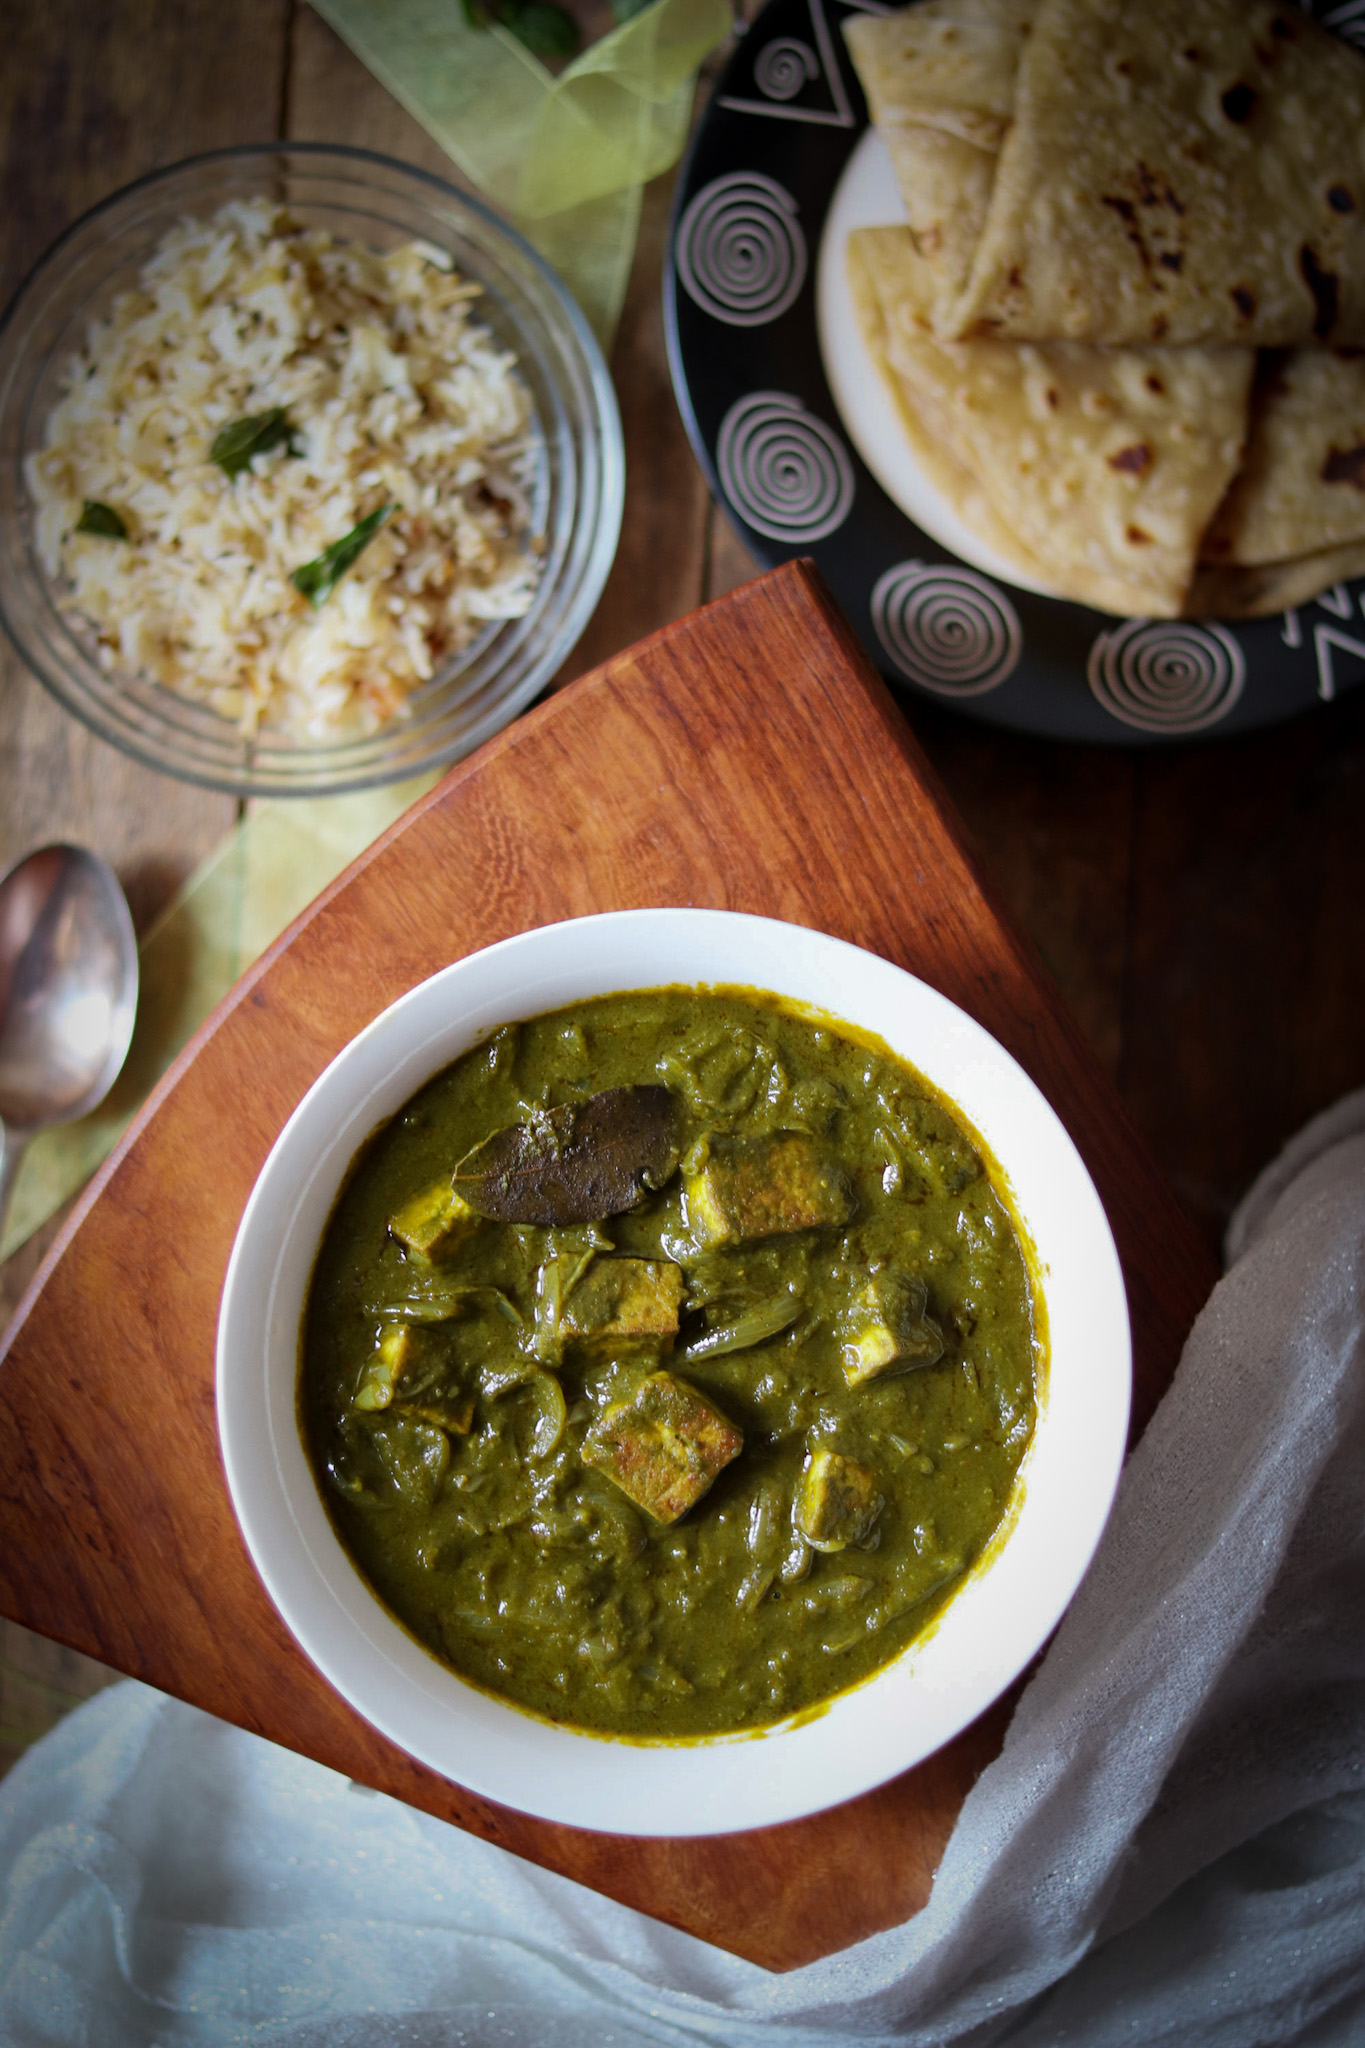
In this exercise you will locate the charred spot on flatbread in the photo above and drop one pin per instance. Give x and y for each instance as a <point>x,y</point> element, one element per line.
<point>1151,221</point>
<point>1134,460</point>
<point>1340,200</point>
<point>1271,379</point>
<point>1325,287</point>
<point>1239,102</point>
<point>1154,190</point>
<point>1345,466</point>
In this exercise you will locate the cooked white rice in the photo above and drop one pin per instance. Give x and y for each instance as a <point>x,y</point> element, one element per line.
<point>396,394</point>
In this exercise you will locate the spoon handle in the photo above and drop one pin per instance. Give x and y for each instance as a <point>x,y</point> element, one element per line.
<point>12,1145</point>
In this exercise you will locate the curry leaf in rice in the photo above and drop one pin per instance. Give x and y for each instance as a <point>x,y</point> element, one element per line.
<point>235,444</point>
<point>318,579</point>
<point>101,520</point>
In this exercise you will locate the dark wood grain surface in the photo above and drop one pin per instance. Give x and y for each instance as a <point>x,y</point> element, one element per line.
<point>748,759</point>
<point>1199,907</point>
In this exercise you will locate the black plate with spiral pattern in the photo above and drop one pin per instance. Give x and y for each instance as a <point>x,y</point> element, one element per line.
<point>739,294</point>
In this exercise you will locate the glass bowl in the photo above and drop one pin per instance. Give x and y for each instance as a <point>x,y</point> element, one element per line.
<point>577,437</point>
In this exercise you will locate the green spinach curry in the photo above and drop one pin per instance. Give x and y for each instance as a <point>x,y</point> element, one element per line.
<point>668,1360</point>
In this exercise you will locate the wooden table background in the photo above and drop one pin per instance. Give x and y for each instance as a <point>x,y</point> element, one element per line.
<point>1200,906</point>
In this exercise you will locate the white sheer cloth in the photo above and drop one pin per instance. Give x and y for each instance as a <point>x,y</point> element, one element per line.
<point>1171,1847</point>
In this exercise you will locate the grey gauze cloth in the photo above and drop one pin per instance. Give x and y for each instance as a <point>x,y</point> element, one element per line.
<point>1171,1847</point>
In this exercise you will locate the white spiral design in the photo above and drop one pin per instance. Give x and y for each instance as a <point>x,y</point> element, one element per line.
<point>1348,22</point>
<point>786,474</point>
<point>1165,676</point>
<point>950,630</point>
<point>740,253</point>
<point>785,68</point>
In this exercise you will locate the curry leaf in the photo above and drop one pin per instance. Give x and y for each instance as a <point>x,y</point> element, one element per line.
<point>317,579</point>
<point>235,444</point>
<point>101,520</point>
<point>544,28</point>
<point>575,1164</point>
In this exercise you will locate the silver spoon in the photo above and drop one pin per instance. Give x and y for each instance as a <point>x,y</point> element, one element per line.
<point>68,994</point>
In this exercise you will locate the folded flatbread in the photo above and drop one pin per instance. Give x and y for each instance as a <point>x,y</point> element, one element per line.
<point>949,477</point>
<point>1103,467</point>
<point>1301,486</point>
<point>950,64</point>
<point>1176,171</point>
<point>1255,592</point>
<point>940,84</point>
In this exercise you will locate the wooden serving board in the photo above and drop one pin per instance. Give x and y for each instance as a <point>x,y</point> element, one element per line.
<point>746,758</point>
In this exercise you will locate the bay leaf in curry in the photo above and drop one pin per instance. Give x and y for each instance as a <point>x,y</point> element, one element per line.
<point>576,1163</point>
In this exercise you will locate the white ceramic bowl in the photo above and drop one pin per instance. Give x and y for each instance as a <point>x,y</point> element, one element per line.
<point>1003,1613</point>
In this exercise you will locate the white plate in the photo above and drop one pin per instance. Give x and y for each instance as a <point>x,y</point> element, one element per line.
<point>1003,1613</point>
<point>806,453</point>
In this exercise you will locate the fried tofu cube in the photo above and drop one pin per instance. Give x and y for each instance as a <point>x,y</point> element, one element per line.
<point>453,1412</point>
<point>887,1329</point>
<point>663,1447</point>
<point>434,1221</point>
<point>837,1500</point>
<point>749,1188</point>
<point>387,1367</point>
<point>626,1301</point>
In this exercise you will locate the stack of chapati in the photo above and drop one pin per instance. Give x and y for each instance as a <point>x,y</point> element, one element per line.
<point>1126,323</point>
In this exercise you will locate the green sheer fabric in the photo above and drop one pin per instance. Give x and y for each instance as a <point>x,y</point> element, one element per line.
<point>563,157</point>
